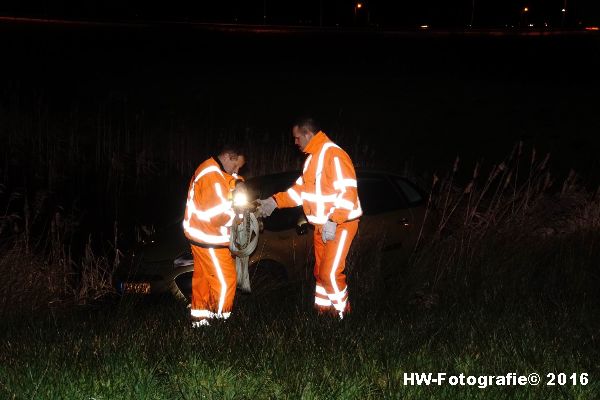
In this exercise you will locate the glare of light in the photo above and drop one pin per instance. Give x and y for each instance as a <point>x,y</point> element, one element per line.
<point>531,25</point>
<point>240,199</point>
<point>563,10</point>
<point>592,28</point>
<point>358,5</point>
<point>424,26</point>
<point>526,9</point>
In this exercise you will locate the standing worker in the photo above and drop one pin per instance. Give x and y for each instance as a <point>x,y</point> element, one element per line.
<point>328,194</point>
<point>207,225</point>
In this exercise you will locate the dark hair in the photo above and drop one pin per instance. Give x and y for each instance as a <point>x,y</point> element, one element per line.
<point>307,123</point>
<point>232,149</point>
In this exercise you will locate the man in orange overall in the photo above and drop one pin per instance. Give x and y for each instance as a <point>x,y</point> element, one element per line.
<point>207,223</point>
<point>327,191</point>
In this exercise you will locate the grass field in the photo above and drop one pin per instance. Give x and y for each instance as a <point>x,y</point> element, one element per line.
<point>275,347</point>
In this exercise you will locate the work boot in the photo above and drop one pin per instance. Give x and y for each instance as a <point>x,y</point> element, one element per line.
<point>199,322</point>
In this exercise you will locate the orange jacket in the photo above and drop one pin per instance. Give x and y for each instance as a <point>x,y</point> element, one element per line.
<point>208,210</point>
<point>327,187</point>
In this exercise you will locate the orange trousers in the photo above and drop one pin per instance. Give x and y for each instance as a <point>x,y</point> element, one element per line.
<point>331,291</point>
<point>213,283</point>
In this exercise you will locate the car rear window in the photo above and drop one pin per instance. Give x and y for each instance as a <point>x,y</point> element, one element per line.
<point>377,195</point>
<point>410,192</point>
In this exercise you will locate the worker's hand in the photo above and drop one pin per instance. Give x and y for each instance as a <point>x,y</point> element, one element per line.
<point>265,207</point>
<point>328,232</point>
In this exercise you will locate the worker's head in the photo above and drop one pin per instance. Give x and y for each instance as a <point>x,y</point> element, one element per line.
<point>303,130</point>
<point>232,158</point>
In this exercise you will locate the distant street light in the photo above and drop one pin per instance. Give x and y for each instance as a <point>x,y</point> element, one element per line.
<point>358,6</point>
<point>524,21</point>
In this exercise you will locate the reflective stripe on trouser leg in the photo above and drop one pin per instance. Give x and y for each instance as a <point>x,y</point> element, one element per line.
<point>199,307</point>
<point>330,263</point>
<point>322,301</point>
<point>213,283</point>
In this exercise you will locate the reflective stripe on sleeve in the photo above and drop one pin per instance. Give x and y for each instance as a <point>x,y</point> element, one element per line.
<point>295,196</point>
<point>231,215</point>
<point>355,214</point>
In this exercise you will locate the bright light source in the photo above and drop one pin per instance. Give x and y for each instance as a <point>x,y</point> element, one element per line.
<point>526,9</point>
<point>424,26</point>
<point>563,10</point>
<point>591,28</point>
<point>240,199</point>
<point>531,25</point>
<point>358,5</point>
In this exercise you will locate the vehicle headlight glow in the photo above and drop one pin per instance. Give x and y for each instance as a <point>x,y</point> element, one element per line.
<point>240,199</point>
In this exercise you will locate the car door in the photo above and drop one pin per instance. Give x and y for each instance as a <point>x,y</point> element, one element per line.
<point>415,200</point>
<point>387,222</point>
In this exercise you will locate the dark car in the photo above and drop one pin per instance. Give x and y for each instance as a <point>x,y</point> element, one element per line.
<point>393,210</point>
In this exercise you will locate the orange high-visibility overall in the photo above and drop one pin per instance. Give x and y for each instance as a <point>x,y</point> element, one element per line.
<point>327,190</point>
<point>207,221</point>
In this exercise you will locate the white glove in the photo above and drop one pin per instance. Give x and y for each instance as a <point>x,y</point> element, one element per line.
<point>265,207</point>
<point>328,232</point>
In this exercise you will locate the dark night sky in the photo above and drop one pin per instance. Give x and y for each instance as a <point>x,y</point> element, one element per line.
<point>444,88</point>
<point>436,13</point>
